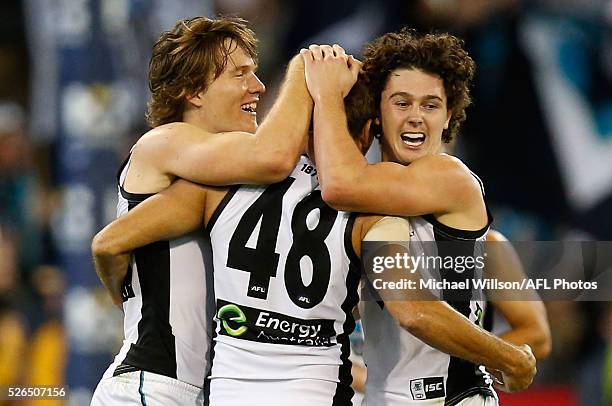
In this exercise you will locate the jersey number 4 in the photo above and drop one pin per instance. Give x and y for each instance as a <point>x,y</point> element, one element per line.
<point>262,261</point>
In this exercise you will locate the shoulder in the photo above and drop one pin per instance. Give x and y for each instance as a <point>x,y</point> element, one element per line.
<point>389,228</point>
<point>164,133</point>
<point>362,225</point>
<point>443,162</point>
<point>451,173</point>
<point>164,139</point>
<point>370,227</point>
<point>494,235</point>
<point>364,222</point>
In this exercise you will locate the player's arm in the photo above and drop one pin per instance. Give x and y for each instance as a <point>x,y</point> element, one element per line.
<point>186,151</point>
<point>527,318</point>
<point>439,325</point>
<point>168,214</point>
<point>360,375</point>
<point>433,184</point>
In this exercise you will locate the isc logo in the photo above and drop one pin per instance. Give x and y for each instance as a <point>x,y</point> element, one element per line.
<point>427,388</point>
<point>433,387</point>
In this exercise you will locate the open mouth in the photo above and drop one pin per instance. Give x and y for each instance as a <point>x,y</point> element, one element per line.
<point>413,139</point>
<point>249,108</point>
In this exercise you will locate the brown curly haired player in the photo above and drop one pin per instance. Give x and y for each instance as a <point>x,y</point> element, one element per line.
<point>439,54</point>
<point>418,87</point>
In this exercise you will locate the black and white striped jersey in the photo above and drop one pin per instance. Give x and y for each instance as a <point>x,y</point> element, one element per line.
<point>168,304</point>
<point>286,280</point>
<point>403,370</point>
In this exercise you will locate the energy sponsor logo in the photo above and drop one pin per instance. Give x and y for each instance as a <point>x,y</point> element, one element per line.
<point>232,313</point>
<point>264,326</point>
<point>427,388</point>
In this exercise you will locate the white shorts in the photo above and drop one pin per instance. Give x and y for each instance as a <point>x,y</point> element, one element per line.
<point>479,400</point>
<point>146,389</point>
<point>391,399</point>
<point>271,392</point>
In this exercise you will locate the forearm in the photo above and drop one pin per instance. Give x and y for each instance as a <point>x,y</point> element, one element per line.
<point>528,325</point>
<point>185,151</point>
<point>283,134</point>
<point>536,339</point>
<point>440,326</point>
<point>527,318</point>
<point>339,161</point>
<point>169,214</point>
<point>111,270</point>
<point>360,375</point>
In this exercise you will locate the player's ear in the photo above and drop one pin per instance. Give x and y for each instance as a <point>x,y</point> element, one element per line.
<point>448,117</point>
<point>366,137</point>
<point>376,128</point>
<point>195,100</point>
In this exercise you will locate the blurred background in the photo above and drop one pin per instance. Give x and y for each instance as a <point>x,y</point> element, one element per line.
<point>73,93</point>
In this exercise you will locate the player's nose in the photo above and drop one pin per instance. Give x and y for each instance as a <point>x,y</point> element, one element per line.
<point>256,85</point>
<point>414,117</point>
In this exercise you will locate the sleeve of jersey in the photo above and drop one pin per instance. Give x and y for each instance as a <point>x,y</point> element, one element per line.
<point>389,229</point>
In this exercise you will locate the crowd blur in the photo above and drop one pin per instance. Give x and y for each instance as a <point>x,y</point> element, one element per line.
<point>72,100</point>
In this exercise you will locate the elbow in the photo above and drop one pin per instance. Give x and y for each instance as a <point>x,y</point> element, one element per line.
<point>414,322</point>
<point>335,193</point>
<point>537,336</point>
<point>103,247</point>
<point>541,338</point>
<point>277,169</point>
<point>284,167</point>
<point>422,319</point>
<point>542,344</point>
<point>331,196</point>
<point>544,349</point>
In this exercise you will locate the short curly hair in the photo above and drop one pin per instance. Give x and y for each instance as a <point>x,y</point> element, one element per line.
<point>359,107</point>
<point>186,59</point>
<point>440,54</point>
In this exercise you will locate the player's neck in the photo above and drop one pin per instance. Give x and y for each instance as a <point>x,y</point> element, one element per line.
<point>191,116</point>
<point>309,150</point>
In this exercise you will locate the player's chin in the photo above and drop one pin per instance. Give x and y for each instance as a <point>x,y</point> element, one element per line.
<point>249,126</point>
<point>407,156</point>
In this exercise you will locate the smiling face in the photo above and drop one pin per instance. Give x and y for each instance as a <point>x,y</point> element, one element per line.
<point>229,103</point>
<point>413,114</point>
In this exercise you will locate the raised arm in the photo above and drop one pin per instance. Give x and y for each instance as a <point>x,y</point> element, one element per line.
<point>527,318</point>
<point>432,184</point>
<point>186,151</point>
<point>168,214</point>
<point>436,184</point>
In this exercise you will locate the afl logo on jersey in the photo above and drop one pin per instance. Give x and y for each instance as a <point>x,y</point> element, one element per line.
<point>427,388</point>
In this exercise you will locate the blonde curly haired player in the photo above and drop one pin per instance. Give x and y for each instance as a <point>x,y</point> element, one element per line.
<point>203,110</point>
